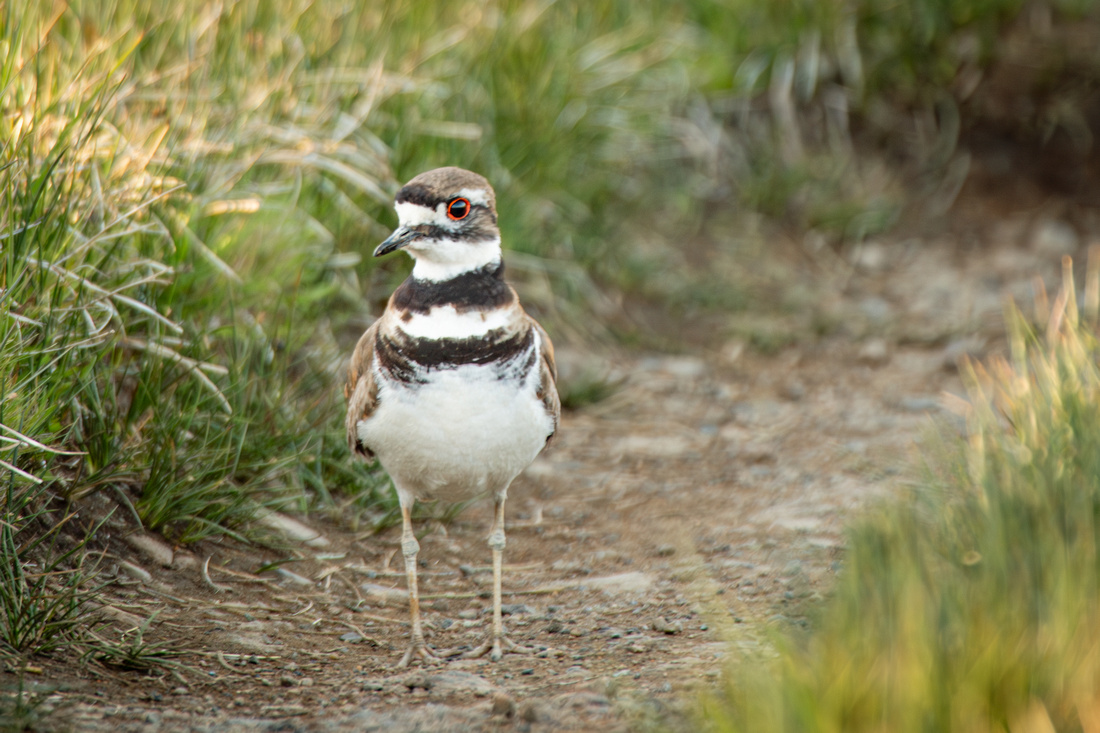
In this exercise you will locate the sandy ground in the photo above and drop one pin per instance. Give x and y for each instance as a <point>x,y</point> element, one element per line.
<point>665,529</point>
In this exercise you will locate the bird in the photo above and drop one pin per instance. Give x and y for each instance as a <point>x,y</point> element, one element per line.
<point>454,388</point>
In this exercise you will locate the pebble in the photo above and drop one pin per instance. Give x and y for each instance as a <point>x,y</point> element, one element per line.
<point>385,595</point>
<point>919,404</point>
<point>469,614</point>
<point>152,547</point>
<point>293,577</point>
<point>294,530</point>
<point>876,309</point>
<point>794,390</point>
<point>635,582</point>
<point>874,352</point>
<point>503,706</point>
<point>873,257</point>
<point>135,571</point>
<point>683,367</point>
<point>184,561</point>
<point>668,627</point>
<point>351,637</point>
<point>531,712</point>
<point>513,609</point>
<point>1054,238</point>
<point>970,347</point>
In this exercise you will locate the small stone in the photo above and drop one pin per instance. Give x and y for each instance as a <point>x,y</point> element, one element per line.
<point>417,680</point>
<point>919,404</point>
<point>469,614</point>
<point>503,706</point>
<point>668,627</point>
<point>305,682</point>
<point>635,582</point>
<point>184,561</point>
<point>385,595</point>
<point>873,257</point>
<point>531,712</point>
<point>287,681</point>
<point>1054,238</point>
<point>683,367</point>
<point>874,352</point>
<point>294,530</point>
<point>456,682</point>
<point>135,571</point>
<point>180,691</point>
<point>125,618</point>
<point>876,310</point>
<point>666,551</point>
<point>971,348</point>
<point>293,577</point>
<point>351,637</point>
<point>794,390</point>
<point>513,609</point>
<point>152,547</point>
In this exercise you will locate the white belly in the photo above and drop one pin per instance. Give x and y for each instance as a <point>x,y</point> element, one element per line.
<point>463,433</point>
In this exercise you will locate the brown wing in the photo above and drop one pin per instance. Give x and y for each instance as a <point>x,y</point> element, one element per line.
<point>361,391</point>
<point>548,377</point>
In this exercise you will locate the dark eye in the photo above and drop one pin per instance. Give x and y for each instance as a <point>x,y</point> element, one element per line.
<point>458,209</point>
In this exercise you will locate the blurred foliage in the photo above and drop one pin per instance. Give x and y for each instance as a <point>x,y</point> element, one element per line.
<point>972,605</point>
<point>189,189</point>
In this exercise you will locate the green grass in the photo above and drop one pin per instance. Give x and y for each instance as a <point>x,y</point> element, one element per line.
<point>973,604</point>
<point>188,192</point>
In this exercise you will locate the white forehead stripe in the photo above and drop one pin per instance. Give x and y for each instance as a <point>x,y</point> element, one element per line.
<point>444,321</point>
<point>475,196</point>
<point>412,215</point>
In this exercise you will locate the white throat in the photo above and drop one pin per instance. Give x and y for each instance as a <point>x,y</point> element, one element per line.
<point>444,259</point>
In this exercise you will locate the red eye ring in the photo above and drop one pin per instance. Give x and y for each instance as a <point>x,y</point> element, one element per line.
<point>458,209</point>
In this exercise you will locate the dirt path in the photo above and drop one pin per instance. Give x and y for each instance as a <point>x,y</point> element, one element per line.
<point>702,502</point>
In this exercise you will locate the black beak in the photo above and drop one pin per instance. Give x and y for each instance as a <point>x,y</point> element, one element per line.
<point>397,240</point>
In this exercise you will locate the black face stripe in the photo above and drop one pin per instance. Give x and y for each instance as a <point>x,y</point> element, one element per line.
<point>419,195</point>
<point>410,360</point>
<point>423,196</point>
<point>483,288</point>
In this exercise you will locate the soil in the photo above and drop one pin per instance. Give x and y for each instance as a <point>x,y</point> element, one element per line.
<point>666,528</point>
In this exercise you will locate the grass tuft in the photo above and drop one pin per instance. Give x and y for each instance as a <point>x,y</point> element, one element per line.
<point>973,604</point>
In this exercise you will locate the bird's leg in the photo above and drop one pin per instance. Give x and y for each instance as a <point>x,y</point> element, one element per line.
<point>409,548</point>
<point>498,643</point>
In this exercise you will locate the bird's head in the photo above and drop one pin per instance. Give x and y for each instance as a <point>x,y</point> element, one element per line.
<point>447,221</point>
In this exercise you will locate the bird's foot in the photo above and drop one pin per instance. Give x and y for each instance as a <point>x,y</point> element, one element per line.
<point>423,652</point>
<point>496,646</point>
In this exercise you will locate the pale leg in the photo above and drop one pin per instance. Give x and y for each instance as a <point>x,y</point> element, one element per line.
<point>409,548</point>
<point>498,643</point>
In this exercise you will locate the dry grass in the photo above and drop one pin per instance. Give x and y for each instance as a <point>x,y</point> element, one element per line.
<point>973,604</point>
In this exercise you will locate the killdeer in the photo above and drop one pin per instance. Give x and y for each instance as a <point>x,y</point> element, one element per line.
<point>453,388</point>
